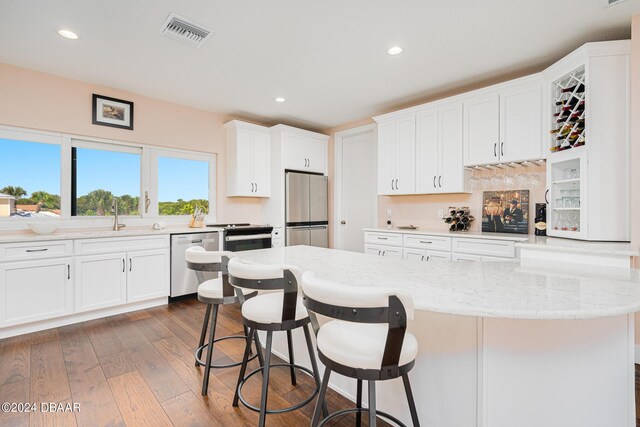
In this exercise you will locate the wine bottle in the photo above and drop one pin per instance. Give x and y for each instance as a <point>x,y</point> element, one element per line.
<point>460,226</point>
<point>448,220</point>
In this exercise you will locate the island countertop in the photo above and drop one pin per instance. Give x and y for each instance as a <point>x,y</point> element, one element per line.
<point>497,290</point>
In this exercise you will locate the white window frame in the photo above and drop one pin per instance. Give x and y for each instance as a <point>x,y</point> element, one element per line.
<point>148,178</point>
<point>211,159</point>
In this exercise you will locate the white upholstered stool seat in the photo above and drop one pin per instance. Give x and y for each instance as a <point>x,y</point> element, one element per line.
<point>213,289</point>
<point>267,308</point>
<point>199,255</point>
<point>361,345</point>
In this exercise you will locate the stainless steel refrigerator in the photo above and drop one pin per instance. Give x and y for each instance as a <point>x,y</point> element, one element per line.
<point>306,209</point>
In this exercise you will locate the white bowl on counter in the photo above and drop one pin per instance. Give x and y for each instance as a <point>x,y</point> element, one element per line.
<point>43,227</point>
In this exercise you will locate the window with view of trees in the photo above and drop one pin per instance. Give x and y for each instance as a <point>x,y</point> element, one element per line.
<point>183,185</point>
<point>100,175</point>
<point>29,179</point>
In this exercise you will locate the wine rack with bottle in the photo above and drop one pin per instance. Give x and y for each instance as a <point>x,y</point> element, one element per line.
<point>569,107</point>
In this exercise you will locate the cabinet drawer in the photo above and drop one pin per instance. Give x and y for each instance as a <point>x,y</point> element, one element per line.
<point>496,248</point>
<point>35,250</point>
<point>119,244</point>
<point>434,243</point>
<point>389,239</point>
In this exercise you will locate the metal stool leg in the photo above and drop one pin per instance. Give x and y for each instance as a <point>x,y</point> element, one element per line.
<point>265,381</point>
<point>412,403</point>
<point>212,333</point>
<point>314,365</point>
<point>320,402</point>
<point>256,340</point>
<point>291,360</point>
<point>203,333</point>
<point>372,404</point>
<point>243,368</point>
<point>359,404</point>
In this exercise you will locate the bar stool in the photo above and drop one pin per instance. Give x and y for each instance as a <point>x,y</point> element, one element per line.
<point>281,310</point>
<point>367,340</point>
<point>213,293</point>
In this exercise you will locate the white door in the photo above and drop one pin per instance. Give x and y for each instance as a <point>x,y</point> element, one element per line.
<point>35,290</point>
<point>427,152</point>
<point>295,147</point>
<point>386,158</point>
<point>481,130</point>
<point>521,123</point>
<point>405,158</point>
<point>451,175</point>
<point>147,274</point>
<point>243,167</point>
<point>101,281</point>
<point>317,155</point>
<point>357,192</point>
<point>260,164</point>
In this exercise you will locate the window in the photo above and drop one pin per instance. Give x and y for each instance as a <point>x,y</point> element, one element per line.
<point>100,172</point>
<point>183,185</point>
<point>29,178</point>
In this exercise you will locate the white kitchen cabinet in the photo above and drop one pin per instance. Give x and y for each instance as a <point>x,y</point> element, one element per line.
<point>425,255</point>
<point>503,123</point>
<point>305,152</point>
<point>465,258</point>
<point>427,152</point>
<point>101,281</point>
<point>35,290</point>
<point>383,250</point>
<point>248,160</point>
<point>396,156</point>
<point>147,274</point>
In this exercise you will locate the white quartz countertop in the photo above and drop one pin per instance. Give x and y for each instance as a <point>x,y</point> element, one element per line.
<point>532,241</point>
<point>483,289</point>
<point>92,233</point>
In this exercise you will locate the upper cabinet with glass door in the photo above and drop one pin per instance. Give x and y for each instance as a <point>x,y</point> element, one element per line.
<point>248,160</point>
<point>587,130</point>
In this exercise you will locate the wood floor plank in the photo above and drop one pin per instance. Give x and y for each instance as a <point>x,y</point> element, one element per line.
<point>87,381</point>
<point>116,364</point>
<point>14,360</point>
<point>49,383</point>
<point>152,329</point>
<point>17,391</point>
<point>137,402</point>
<point>162,380</point>
<point>186,410</point>
<point>186,335</point>
<point>103,337</point>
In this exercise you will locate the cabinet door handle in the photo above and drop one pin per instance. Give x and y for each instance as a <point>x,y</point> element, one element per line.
<point>37,250</point>
<point>256,187</point>
<point>440,181</point>
<point>495,146</point>
<point>428,257</point>
<point>379,252</point>
<point>396,183</point>
<point>252,187</point>
<point>502,148</point>
<point>123,262</point>
<point>384,252</point>
<point>68,271</point>
<point>130,264</point>
<point>422,259</point>
<point>434,181</point>
<point>392,184</point>
<point>546,193</point>
<point>308,163</point>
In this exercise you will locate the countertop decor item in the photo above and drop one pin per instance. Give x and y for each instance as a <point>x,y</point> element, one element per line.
<point>43,227</point>
<point>197,218</point>
<point>459,219</point>
<point>505,211</point>
<point>113,112</point>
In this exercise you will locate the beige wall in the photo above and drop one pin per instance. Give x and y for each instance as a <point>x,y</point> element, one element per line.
<point>42,101</point>
<point>635,144</point>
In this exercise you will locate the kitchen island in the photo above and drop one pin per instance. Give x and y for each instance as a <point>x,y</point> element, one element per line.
<point>500,344</point>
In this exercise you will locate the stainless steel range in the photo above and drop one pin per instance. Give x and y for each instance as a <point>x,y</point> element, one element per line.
<point>245,237</point>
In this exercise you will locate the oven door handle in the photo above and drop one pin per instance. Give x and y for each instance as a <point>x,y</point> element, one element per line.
<point>247,237</point>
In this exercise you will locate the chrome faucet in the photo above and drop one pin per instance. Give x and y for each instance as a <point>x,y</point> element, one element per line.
<point>114,209</point>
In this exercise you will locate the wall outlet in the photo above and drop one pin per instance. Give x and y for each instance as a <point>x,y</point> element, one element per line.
<point>441,213</point>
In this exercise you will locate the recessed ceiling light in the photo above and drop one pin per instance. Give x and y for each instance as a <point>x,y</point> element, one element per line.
<point>67,34</point>
<point>395,50</point>
<point>280,99</point>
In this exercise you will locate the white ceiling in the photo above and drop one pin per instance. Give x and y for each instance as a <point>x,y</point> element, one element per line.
<point>328,58</point>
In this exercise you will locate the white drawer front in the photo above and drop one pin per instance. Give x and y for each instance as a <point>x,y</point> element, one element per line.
<point>35,250</point>
<point>388,239</point>
<point>497,248</point>
<point>119,244</point>
<point>434,243</point>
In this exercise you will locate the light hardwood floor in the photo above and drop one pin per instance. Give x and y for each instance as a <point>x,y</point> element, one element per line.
<point>137,369</point>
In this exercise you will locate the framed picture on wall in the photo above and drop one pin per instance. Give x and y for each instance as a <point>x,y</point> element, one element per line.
<point>113,112</point>
<point>505,211</point>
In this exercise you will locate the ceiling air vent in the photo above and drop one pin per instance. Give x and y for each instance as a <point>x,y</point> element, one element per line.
<point>608,3</point>
<point>182,29</point>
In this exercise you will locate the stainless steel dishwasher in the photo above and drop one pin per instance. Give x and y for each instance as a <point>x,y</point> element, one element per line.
<point>183,280</point>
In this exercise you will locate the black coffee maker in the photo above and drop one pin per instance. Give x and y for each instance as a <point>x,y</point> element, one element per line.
<point>541,219</point>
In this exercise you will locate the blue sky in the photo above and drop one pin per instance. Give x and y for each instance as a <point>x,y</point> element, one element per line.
<point>36,167</point>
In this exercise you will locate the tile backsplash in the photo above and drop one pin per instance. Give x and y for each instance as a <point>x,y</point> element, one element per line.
<point>422,210</point>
